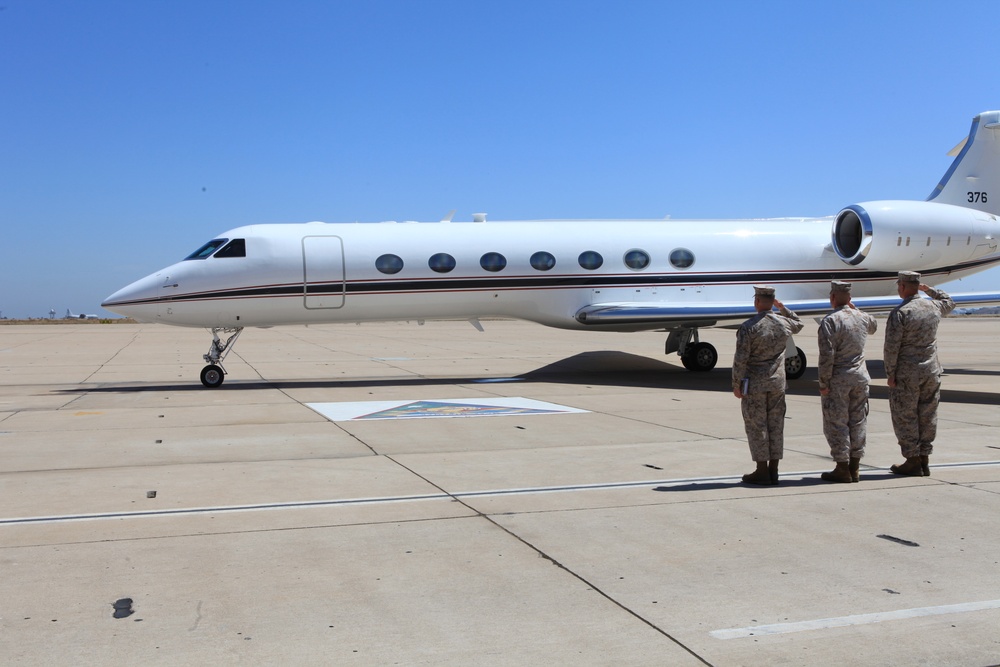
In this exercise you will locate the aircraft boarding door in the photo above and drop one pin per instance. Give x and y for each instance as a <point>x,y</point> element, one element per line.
<point>323,271</point>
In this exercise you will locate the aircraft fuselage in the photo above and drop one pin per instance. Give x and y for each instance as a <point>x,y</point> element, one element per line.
<point>542,271</point>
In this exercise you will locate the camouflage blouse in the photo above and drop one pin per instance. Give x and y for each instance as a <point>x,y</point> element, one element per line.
<point>842,335</point>
<point>760,350</point>
<point>911,334</point>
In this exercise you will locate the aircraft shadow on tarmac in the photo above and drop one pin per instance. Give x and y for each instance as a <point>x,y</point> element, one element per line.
<point>876,369</point>
<point>602,368</point>
<point>970,371</point>
<point>715,485</point>
<point>597,368</point>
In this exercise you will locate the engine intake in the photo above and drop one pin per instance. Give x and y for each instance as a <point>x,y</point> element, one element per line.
<point>852,234</point>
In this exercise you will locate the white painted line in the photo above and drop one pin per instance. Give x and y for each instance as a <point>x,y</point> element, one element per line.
<point>305,504</point>
<point>222,509</point>
<point>858,619</point>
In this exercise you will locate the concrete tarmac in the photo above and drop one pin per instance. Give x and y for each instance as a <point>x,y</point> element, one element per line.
<point>147,520</point>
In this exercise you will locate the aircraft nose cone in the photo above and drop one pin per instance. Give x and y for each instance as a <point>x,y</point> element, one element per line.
<point>138,300</point>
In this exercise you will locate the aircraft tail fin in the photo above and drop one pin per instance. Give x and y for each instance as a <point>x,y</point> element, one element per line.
<point>973,180</point>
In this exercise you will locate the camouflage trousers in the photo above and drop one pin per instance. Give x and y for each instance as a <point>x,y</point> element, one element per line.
<point>764,420</point>
<point>914,404</point>
<point>845,421</point>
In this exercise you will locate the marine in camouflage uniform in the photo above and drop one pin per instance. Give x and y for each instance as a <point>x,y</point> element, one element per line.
<point>759,381</point>
<point>843,382</point>
<point>913,371</point>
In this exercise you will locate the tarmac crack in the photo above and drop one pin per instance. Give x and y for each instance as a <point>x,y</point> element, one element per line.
<point>357,439</point>
<point>109,360</point>
<point>254,369</point>
<point>342,429</point>
<point>541,553</point>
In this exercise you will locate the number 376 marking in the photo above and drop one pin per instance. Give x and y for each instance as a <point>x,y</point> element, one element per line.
<point>976,197</point>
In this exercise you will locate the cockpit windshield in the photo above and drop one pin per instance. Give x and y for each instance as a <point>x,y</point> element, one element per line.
<point>206,250</point>
<point>235,248</point>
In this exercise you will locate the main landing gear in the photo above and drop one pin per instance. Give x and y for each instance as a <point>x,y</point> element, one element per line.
<point>696,356</point>
<point>213,374</point>
<point>795,364</point>
<point>702,357</point>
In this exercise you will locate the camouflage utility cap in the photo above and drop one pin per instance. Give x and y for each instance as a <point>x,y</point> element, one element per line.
<point>909,277</point>
<point>763,291</point>
<point>840,286</point>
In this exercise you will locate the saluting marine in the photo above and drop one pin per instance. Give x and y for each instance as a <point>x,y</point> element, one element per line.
<point>843,382</point>
<point>913,371</point>
<point>759,381</point>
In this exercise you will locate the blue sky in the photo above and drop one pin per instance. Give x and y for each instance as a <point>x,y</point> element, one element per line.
<point>134,131</point>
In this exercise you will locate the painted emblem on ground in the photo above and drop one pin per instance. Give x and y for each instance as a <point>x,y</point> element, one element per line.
<point>438,409</point>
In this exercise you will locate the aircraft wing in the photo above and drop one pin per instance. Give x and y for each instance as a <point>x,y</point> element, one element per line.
<point>972,299</point>
<point>694,314</point>
<point>685,315</point>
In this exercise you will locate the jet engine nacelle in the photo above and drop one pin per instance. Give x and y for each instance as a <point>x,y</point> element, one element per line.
<point>911,235</point>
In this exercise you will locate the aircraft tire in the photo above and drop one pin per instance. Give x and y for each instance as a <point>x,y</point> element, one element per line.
<point>795,367</point>
<point>686,361</point>
<point>701,358</point>
<point>212,376</point>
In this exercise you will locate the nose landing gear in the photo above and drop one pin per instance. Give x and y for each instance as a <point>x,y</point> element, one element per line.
<point>213,374</point>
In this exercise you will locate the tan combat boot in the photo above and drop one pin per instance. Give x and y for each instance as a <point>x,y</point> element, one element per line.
<point>925,465</point>
<point>758,476</point>
<point>854,465</point>
<point>842,473</point>
<point>911,467</point>
<point>772,470</point>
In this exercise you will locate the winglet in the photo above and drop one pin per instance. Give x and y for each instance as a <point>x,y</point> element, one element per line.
<point>973,179</point>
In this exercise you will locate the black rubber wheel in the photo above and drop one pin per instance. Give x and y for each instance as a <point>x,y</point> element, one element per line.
<point>700,357</point>
<point>212,376</point>
<point>795,367</point>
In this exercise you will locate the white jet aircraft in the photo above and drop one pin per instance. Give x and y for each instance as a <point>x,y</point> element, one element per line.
<point>610,275</point>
